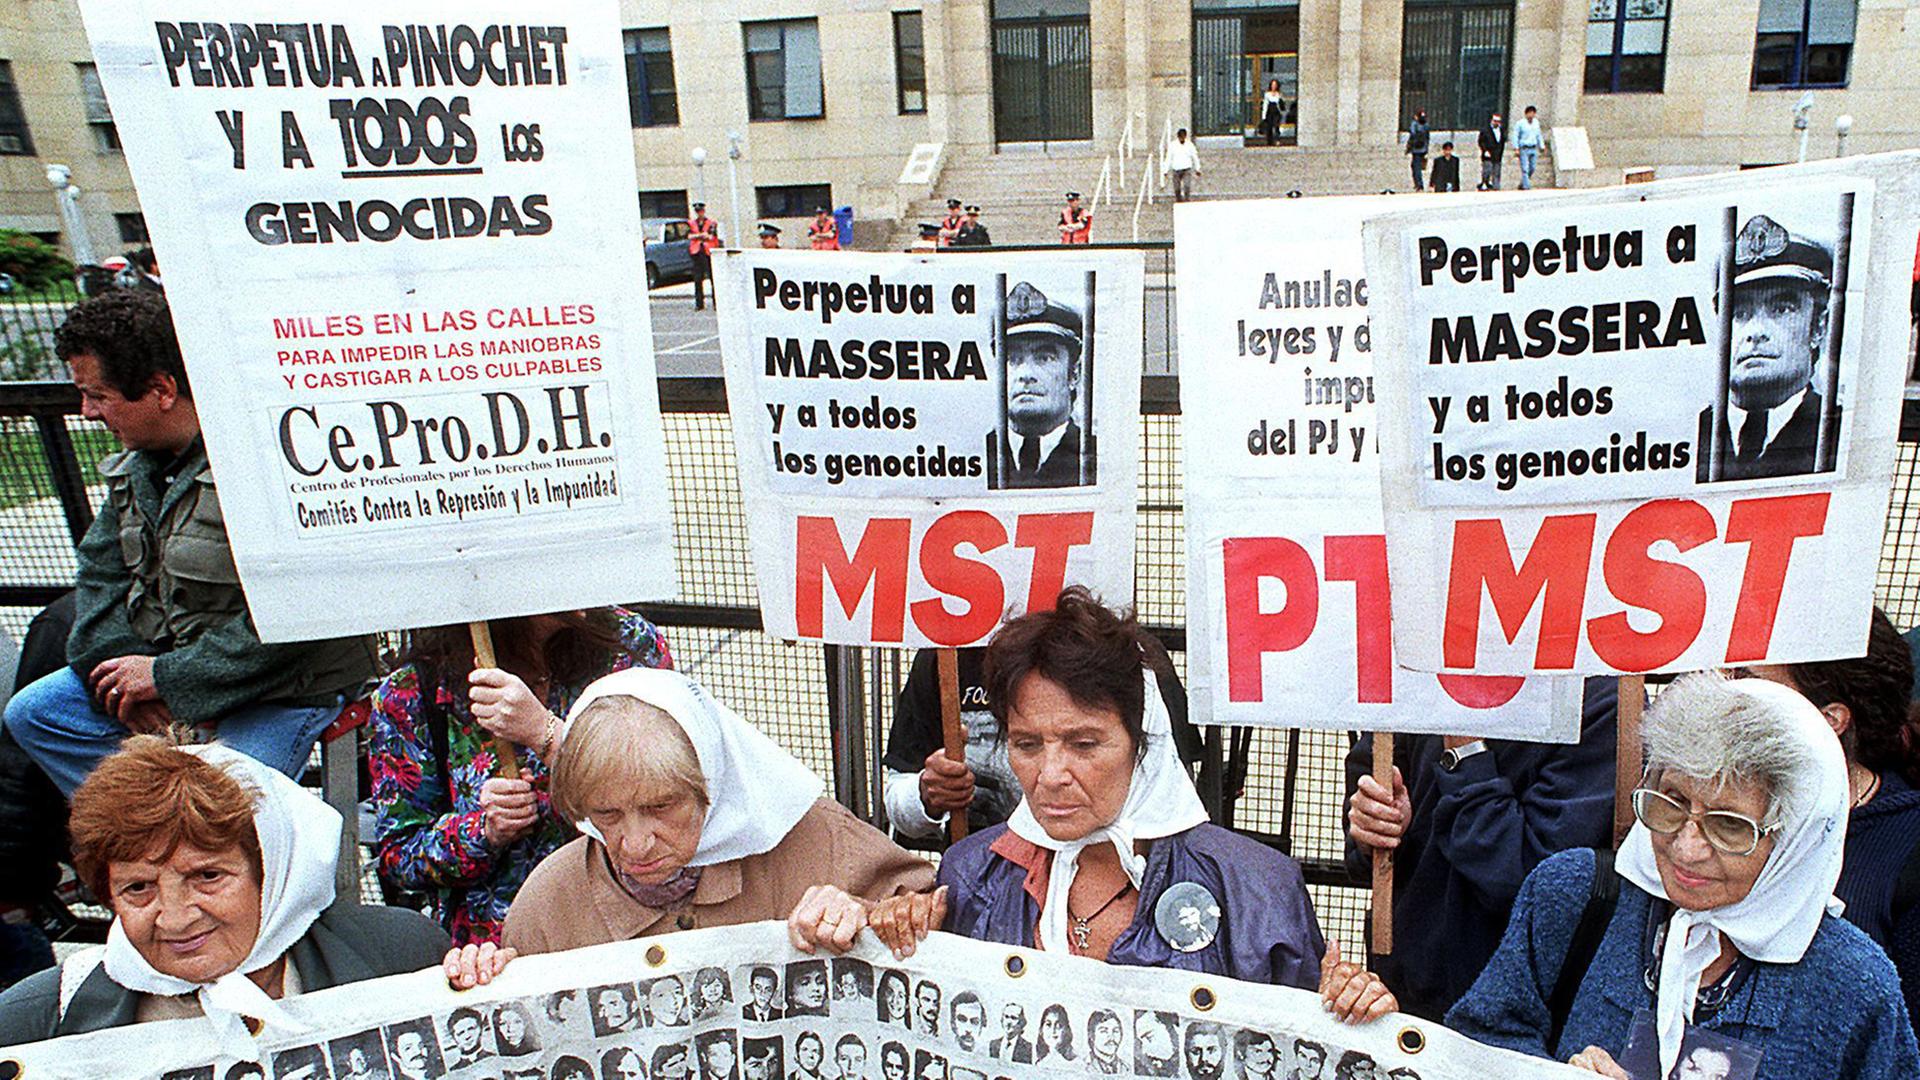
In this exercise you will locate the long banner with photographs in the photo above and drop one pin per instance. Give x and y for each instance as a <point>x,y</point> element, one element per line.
<point>738,1003</point>
<point>930,444</point>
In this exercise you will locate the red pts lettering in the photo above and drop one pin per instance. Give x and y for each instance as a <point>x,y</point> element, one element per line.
<point>880,562</point>
<point>969,580</point>
<point>1252,633</point>
<point>1555,566</point>
<point>1769,527</point>
<point>1637,579</point>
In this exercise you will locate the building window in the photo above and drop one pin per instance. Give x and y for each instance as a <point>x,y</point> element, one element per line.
<point>666,203</point>
<point>14,137</point>
<point>1627,46</point>
<point>106,137</point>
<point>133,228</point>
<point>909,63</point>
<point>1802,43</point>
<point>651,97</point>
<point>793,200</point>
<point>783,70</point>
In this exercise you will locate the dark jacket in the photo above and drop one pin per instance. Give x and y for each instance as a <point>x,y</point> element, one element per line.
<point>1475,835</point>
<point>1268,931</point>
<point>972,236</point>
<point>1835,1013</point>
<point>1881,839</point>
<point>1418,134</point>
<point>1059,469</point>
<point>347,944</point>
<point>156,578</point>
<point>33,813</point>
<point>1445,174</point>
<point>1492,142</point>
<point>1788,453</point>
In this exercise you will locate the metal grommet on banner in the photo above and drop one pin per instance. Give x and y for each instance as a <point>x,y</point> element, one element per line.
<point>1412,1040</point>
<point>656,955</point>
<point>255,1025</point>
<point>1187,917</point>
<point>1016,966</point>
<point>11,1070</point>
<point>1203,999</point>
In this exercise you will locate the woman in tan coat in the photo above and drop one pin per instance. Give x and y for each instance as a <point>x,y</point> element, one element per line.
<point>692,817</point>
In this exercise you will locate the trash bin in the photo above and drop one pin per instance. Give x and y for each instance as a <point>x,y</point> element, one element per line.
<point>843,226</point>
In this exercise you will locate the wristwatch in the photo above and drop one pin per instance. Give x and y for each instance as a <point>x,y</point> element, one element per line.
<point>1450,759</point>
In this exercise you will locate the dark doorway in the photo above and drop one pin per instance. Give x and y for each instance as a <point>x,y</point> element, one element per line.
<point>1456,60</point>
<point>1042,71</point>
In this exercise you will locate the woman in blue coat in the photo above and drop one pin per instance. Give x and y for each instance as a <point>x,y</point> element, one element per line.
<point>1726,932</point>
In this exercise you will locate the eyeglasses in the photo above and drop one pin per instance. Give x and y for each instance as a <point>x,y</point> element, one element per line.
<point>1728,832</point>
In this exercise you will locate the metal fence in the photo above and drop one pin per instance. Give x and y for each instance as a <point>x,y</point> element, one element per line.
<point>830,705</point>
<point>27,321</point>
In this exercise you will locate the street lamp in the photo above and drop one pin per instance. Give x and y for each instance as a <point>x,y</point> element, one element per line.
<point>1842,127</point>
<point>733,180</point>
<point>60,178</point>
<point>1801,110</point>
<point>700,173</point>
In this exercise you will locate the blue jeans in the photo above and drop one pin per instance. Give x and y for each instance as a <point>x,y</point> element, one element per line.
<point>1529,155</point>
<point>57,724</point>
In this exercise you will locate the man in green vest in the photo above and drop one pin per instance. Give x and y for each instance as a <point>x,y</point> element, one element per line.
<point>161,634</point>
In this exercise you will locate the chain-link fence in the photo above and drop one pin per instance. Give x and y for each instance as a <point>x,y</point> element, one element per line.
<point>27,321</point>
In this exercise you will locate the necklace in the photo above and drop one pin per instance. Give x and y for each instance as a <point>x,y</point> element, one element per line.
<point>1082,928</point>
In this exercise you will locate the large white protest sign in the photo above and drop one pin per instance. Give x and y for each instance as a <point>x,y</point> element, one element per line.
<point>401,247</point>
<point>1646,430</point>
<point>1287,592</point>
<point>929,444</point>
<point>738,1003</point>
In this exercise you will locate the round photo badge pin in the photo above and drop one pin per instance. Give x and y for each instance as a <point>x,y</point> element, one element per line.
<point>1188,917</point>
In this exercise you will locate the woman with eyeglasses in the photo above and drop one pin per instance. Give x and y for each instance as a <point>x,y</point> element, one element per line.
<point>1725,919</point>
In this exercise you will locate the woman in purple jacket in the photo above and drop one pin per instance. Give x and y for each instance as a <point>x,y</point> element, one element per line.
<point>1109,854</point>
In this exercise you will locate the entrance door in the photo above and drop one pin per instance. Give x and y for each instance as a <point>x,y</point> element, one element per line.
<point>1268,68</point>
<point>1042,79</point>
<point>1455,62</point>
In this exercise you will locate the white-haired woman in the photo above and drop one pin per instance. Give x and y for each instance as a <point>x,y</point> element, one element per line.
<point>1725,917</point>
<point>693,817</point>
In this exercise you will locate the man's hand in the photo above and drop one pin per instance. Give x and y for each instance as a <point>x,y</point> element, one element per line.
<point>1376,817</point>
<point>946,785</point>
<point>123,682</point>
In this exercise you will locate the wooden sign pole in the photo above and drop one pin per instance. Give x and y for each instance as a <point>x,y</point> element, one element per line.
<point>947,662</point>
<point>506,763</point>
<point>1627,761</point>
<point>1383,860</point>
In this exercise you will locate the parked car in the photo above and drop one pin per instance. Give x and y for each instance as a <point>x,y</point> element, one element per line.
<point>667,257</point>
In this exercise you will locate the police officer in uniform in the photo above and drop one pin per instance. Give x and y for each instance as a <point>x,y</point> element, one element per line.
<point>703,239</point>
<point>1043,348</point>
<point>769,235</point>
<point>1774,413</point>
<point>950,225</point>
<point>824,233</point>
<point>928,240</point>
<point>1076,224</point>
<point>971,233</point>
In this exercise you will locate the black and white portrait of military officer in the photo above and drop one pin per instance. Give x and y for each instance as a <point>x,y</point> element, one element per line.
<point>1046,397</point>
<point>1775,407</point>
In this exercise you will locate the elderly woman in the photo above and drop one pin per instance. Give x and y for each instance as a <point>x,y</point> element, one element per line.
<point>450,823</point>
<point>219,871</point>
<point>1866,702</point>
<point>1726,917</point>
<point>693,817</point>
<point>1109,854</point>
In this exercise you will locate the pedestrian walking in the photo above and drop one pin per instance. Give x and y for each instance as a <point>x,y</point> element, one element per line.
<point>1183,161</point>
<point>1418,135</point>
<point>1076,224</point>
<point>1526,142</point>
<point>1493,145</point>
<point>703,237</point>
<point>1273,111</point>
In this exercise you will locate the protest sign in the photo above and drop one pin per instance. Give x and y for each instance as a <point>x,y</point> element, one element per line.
<point>928,445</point>
<point>396,242</point>
<point>1287,585</point>
<point>740,1002</point>
<point>1643,431</point>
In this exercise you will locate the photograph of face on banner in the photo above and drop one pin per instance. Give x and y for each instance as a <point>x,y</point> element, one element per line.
<point>1045,438</point>
<point>1780,411</point>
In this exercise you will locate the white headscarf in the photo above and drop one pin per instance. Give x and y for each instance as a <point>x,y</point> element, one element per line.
<point>1160,802</point>
<point>1776,920</point>
<point>299,848</point>
<point>756,791</point>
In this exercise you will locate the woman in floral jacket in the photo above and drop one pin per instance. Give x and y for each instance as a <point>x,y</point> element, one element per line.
<point>446,824</point>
